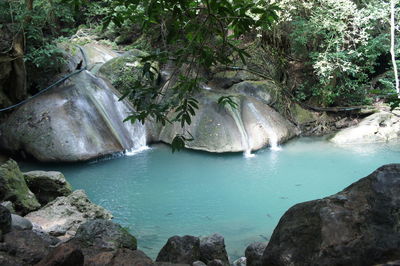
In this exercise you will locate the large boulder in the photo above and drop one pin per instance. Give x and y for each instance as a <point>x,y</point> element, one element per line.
<point>357,226</point>
<point>64,215</point>
<point>13,188</point>
<point>104,234</point>
<point>80,120</point>
<point>25,245</point>
<point>178,249</point>
<point>379,127</point>
<point>47,186</point>
<point>213,247</point>
<point>250,126</point>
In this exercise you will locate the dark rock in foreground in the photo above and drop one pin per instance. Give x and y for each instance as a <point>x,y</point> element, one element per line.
<point>254,253</point>
<point>25,246</point>
<point>358,226</point>
<point>178,249</point>
<point>65,254</point>
<point>105,234</point>
<point>213,247</point>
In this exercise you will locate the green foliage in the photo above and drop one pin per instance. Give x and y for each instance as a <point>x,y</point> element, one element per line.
<point>343,42</point>
<point>227,101</point>
<point>191,36</point>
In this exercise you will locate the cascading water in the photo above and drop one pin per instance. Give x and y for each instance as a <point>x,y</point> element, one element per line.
<point>131,136</point>
<point>272,136</point>
<point>246,142</point>
<point>136,130</point>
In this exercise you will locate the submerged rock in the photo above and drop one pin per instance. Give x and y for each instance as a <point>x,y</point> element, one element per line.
<point>213,247</point>
<point>104,234</point>
<point>357,226</point>
<point>178,249</point>
<point>254,253</point>
<point>47,186</point>
<point>379,127</point>
<point>65,214</point>
<point>13,188</point>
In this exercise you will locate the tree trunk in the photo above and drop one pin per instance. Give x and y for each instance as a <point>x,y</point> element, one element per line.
<point>393,44</point>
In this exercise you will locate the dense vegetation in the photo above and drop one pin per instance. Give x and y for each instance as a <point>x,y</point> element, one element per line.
<point>342,47</point>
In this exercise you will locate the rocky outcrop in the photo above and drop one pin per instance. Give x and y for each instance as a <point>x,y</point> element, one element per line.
<point>13,188</point>
<point>357,226</point>
<point>178,249</point>
<point>213,247</point>
<point>63,216</point>
<point>47,186</point>
<point>104,234</point>
<point>80,120</point>
<point>252,125</point>
<point>379,127</point>
<point>254,253</point>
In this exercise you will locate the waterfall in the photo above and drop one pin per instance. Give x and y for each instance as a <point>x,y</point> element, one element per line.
<point>244,137</point>
<point>272,136</point>
<point>137,130</point>
<point>132,137</point>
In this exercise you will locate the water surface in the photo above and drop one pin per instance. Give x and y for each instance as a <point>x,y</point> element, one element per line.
<point>157,194</point>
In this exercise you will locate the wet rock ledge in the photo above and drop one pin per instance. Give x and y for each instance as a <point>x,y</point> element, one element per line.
<point>357,226</point>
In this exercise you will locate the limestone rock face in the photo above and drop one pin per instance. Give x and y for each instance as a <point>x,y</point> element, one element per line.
<point>215,128</point>
<point>178,249</point>
<point>379,127</point>
<point>80,120</point>
<point>357,226</point>
<point>14,188</point>
<point>104,234</point>
<point>213,247</point>
<point>64,215</point>
<point>47,186</point>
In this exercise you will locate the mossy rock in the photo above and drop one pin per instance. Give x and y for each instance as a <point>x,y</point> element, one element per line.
<point>14,188</point>
<point>264,90</point>
<point>300,115</point>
